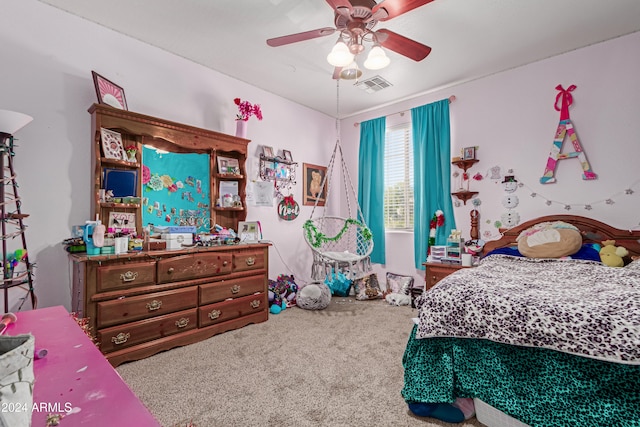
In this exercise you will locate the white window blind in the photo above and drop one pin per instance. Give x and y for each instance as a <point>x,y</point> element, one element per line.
<point>398,177</point>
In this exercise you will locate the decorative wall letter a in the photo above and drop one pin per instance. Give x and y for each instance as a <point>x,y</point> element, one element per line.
<point>565,127</point>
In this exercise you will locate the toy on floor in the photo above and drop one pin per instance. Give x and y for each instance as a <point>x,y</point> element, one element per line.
<point>396,298</point>
<point>314,296</point>
<point>282,293</point>
<point>338,283</point>
<point>613,255</point>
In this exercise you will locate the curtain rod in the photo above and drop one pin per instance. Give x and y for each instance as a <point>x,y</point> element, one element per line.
<point>451,99</point>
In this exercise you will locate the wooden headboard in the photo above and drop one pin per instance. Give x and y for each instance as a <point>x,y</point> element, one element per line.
<point>593,231</point>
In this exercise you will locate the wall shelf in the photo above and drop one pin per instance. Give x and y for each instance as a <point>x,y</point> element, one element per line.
<point>279,170</point>
<point>465,164</point>
<point>464,195</point>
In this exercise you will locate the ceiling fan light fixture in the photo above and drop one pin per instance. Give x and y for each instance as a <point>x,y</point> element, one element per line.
<point>376,59</point>
<point>340,56</point>
<point>351,72</point>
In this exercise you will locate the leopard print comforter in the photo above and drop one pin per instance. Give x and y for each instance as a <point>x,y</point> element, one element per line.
<point>573,306</point>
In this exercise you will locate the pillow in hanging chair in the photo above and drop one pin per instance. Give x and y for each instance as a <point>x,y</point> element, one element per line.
<point>313,296</point>
<point>344,256</point>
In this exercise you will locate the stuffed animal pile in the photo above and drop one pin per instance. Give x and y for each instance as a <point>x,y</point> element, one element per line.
<point>282,293</point>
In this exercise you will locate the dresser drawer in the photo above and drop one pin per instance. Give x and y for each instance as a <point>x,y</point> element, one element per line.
<point>140,307</point>
<point>436,272</point>
<point>118,276</point>
<point>249,260</point>
<point>231,309</point>
<point>193,266</point>
<point>220,291</point>
<point>118,337</point>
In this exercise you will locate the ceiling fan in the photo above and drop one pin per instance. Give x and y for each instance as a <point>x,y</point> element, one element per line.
<point>355,21</point>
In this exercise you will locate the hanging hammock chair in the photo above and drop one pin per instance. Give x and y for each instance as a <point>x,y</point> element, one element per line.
<point>339,244</point>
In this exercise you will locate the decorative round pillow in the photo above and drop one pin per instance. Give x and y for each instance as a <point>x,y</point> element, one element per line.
<point>313,296</point>
<point>550,240</point>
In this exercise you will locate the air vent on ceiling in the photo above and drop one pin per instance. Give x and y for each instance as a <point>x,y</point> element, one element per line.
<point>374,84</point>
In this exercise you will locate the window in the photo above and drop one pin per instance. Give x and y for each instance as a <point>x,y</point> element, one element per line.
<point>398,177</point>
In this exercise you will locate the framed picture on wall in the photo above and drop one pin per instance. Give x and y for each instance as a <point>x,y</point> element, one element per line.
<point>267,151</point>
<point>312,188</point>
<point>287,155</point>
<point>108,92</point>
<point>469,153</point>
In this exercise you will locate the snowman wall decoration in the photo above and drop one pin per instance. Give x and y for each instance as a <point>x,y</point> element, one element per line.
<point>510,201</point>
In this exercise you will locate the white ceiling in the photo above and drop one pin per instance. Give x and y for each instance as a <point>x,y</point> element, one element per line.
<point>470,39</point>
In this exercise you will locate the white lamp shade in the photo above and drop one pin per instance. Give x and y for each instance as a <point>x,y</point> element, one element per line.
<point>340,55</point>
<point>351,72</point>
<point>377,59</point>
<point>11,121</point>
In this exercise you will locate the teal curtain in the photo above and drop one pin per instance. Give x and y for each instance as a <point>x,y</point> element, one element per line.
<point>371,182</point>
<point>432,174</point>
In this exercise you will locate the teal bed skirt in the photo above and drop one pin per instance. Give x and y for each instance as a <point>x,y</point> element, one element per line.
<point>540,387</point>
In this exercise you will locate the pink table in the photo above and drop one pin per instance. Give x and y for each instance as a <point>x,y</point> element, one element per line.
<point>74,378</point>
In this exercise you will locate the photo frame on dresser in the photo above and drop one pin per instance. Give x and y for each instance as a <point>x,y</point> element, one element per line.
<point>122,183</point>
<point>112,147</point>
<point>108,92</point>
<point>228,165</point>
<point>249,231</point>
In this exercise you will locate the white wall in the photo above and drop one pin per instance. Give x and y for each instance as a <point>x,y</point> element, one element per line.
<point>48,57</point>
<point>510,116</point>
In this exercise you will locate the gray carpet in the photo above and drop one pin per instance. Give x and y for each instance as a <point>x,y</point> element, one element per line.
<point>341,366</point>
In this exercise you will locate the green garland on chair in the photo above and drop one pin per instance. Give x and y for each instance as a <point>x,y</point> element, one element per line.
<point>316,238</point>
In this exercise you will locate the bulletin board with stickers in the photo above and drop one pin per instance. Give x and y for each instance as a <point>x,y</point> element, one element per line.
<point>175,189</point>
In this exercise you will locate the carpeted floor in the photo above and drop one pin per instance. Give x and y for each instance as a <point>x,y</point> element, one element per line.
<point>341,366</point>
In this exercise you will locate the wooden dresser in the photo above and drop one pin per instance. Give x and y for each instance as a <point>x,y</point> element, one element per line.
<point>141,303</point>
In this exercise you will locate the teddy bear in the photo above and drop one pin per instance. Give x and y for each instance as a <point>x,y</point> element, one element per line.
<point>613,255</point>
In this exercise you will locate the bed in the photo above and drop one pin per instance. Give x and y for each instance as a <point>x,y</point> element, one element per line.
<point>548,341</point>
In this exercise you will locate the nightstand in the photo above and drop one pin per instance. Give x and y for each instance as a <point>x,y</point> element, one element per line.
<point>434,272</point>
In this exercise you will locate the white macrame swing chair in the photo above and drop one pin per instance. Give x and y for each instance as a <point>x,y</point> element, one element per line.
<point>338,244</point>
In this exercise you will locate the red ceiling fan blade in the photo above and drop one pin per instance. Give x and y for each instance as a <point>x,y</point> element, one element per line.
<point>298,37</point>
<point>402,45</point>
<point>340,6</point>
<point>391,8</point>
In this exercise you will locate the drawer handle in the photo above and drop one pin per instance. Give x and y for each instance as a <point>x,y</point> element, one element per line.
<point>255,303</point>
<point>169,271</point>
<point>121,338</point>
<point>250,261</point>
<point>434,278</point>
<point>235,289</point>
<point>154,305</point>
<point>214,314</point>
<point>129,276</point>
<point>182,322</point>
<point>225,263</point>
